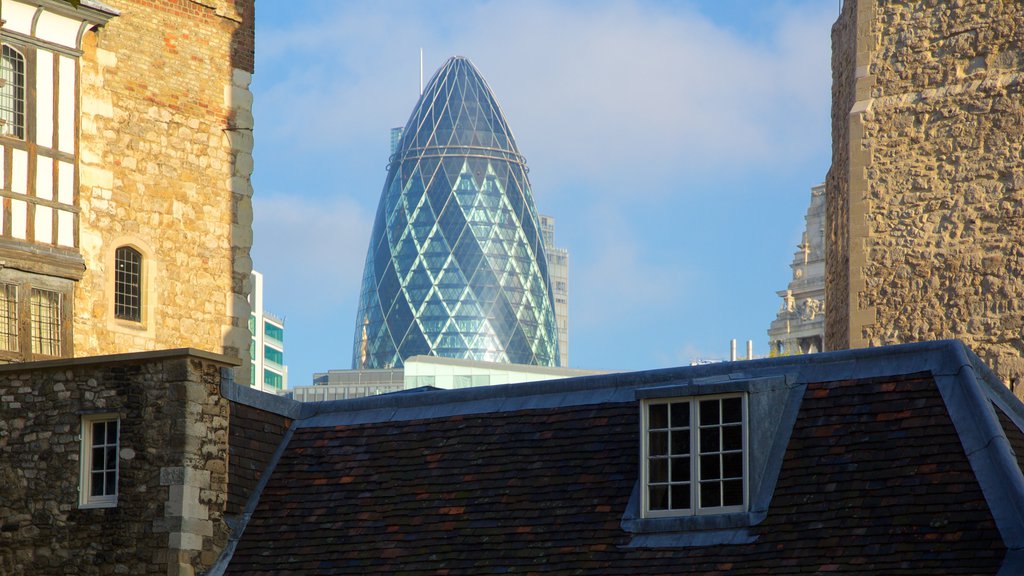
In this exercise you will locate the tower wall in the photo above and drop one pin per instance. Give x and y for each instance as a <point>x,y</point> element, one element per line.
<point>166,142</point>
<point>925,222</point>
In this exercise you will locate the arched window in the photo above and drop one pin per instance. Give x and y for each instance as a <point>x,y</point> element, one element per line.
<point>128,284</point>
<point>12,93</point>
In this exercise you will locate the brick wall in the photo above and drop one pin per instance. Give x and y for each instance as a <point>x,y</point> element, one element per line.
<point>931,172</point>
<point>254,436</point>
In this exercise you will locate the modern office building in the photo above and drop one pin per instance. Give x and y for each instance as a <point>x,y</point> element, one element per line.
<point>266,351</point>
<point>456,266</point>
<point>558,272</point>
<point>799,326</point>
<point>426,371</point>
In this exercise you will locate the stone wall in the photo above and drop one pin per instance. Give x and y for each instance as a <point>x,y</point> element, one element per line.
<point>928,157</point>
<point>165,163</point>
<point>172,482</point>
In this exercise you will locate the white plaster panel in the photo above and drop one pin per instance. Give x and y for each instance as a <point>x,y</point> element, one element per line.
<point>44,98</point>
<point>2,173</point>
<point>44,224</point>
<point>65,183</point>
<point>18,16</point>
<point>1,218</point>
<point>58,29</point>
<point>65,228</point>
<point>66,110</point>
<point>44,177</point>
<point>19,171</point>
<point>19,217</point>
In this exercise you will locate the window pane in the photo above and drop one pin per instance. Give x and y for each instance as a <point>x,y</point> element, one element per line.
<point>12,93</point>
<point>657,497</point>
<point>732,410</point>
<point>732,493</point>
<point>128,284</point>
<point>110,457</point>
<point>97,458</point>
<point>111,432</point>
<point>681,442</point>
<point>659,443</point>
<point>657,416</point>
<point>732,465</point>
<point>8,317</point>
<point>96,484</point>
<point>681,497</point>
<point>658,470</point>
<point>732,438</point>
<point>709,440</point>
<point>98,432</point>
<point>708,412</point>
<point>680,469</point>
<point>45,308</point>
<point>709,467</point>
<point>680,414</point>
<point>110,487</point>
<point>710,495</point>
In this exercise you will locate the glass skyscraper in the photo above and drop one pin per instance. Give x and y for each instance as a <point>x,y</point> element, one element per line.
<point>456,264</point>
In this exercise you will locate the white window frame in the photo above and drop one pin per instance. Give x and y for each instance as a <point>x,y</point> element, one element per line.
<point>694,453</point>
<point>85,497</point>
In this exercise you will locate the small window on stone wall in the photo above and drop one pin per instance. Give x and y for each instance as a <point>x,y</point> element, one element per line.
<point>12,93</point>
<point>128,284</point>
<point>99,461</point>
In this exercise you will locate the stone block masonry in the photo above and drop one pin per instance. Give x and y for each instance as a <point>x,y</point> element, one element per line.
<point>166,157</point>
<point>172,477</point>
<point>926,191</point>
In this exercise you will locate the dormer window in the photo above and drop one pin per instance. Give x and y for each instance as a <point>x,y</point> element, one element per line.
<point>12,93</point>
<point>694,455</point>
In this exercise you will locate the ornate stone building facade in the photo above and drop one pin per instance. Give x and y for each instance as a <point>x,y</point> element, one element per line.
<point>125,156</point>
<point>926,192</point>
<point>799,327</point>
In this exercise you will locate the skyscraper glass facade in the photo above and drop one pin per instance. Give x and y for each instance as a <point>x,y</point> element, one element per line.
<point>456,264</point>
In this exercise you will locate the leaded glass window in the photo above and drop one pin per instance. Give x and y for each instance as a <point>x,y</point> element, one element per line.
<point>45,311</point>
<point>9,317</point>
<point>12,93</point>
<point>128,284</point>
<point>694,456</point>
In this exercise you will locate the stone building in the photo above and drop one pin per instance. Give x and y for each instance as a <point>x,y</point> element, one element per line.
<point>925,196</point>
<point>157,463</point>
<point>125,155</point>
<point>799,326</point>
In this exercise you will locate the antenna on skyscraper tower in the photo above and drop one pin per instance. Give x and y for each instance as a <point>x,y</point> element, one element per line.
<point>421,71</point>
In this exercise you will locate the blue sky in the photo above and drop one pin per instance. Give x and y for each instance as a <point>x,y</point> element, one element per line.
<point>675,143</point>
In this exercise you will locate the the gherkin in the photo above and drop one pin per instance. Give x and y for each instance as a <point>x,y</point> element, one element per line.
<point>456,262</point>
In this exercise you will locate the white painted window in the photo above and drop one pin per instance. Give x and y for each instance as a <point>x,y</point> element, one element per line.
<point>694,455</point>
<point>100,446</point>
<point>12,93</point>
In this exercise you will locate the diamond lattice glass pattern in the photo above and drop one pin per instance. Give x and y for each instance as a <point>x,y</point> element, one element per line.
<point>456,262</point>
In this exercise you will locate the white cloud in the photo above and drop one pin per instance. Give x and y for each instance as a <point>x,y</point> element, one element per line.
<point>309,251</point>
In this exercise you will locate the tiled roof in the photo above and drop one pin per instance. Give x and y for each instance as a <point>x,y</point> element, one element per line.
<point>875,479</point>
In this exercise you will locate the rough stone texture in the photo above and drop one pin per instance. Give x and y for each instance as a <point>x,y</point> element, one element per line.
<point>166,143</point>
<point>172,479</point>
<point>926,191</point>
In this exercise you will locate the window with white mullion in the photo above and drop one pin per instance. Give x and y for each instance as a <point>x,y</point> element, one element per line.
<point>693,456</point>
<point>99,461</point>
